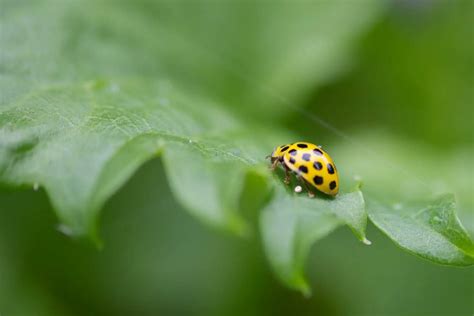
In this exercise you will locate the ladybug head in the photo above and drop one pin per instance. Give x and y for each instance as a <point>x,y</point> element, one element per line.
<point>278,153</point>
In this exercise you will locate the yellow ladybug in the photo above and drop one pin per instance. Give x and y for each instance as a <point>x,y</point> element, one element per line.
<point>311,164</point>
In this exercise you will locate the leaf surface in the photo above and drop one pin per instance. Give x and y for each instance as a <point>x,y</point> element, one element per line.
<point>91,90</point>
<point>430,230</point>
<point>291,224</point>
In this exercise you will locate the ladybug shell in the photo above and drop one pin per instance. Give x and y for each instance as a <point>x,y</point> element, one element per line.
<point>314,165</point>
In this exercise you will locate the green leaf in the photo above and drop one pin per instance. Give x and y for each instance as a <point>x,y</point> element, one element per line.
<point>291,224</point>
<point>207,182</point>
<point>91,90</point>
<point>82,153</point>
<point>94,89</point>
<point>431,231</point>
<point>398,190</point>
<point>353,214</point>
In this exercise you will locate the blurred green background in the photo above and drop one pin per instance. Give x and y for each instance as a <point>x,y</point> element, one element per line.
<point>403,96</point>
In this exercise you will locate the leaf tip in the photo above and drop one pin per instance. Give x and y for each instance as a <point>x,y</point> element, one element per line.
<point>66,230</point>
<point>359,183</point>
<point>307,292</point>
<point>79,234</point>
<point>239,226</point>
<point>301,285</point>
<point>366,241</point>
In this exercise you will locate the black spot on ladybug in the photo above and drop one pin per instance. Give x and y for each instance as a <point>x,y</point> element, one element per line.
<point>293,152</point>
<point>317,165</point>
<point>292,160</point>
<point>306,157</point>
<point>332,185</point>
<point>284,148</point>
<point>302,145</point>
<point>317,152</point>
<point>330,169</point>
<point>303,169</point>
<point>318,180</point>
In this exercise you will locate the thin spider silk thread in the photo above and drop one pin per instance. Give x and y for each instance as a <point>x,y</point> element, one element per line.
<point>220,58</point>
<point>321,122</point>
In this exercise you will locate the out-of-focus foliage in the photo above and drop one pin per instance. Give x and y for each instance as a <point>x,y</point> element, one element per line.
<point>129,80</point>
<point>416,76</point>
<point>158,260</point>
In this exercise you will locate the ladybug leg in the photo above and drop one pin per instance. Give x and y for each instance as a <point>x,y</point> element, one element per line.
<point>274,165</point>
<point>310,193</point>
<point>287,176</point>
